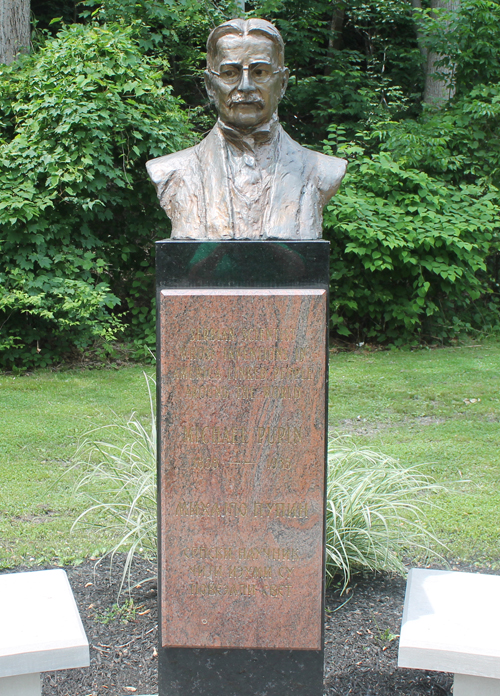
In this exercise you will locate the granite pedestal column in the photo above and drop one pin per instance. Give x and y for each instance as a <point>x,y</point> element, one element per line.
<point>242,423</point>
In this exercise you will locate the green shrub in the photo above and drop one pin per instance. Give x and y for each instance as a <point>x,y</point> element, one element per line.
<point>78,120</point>
<point>410,253</point>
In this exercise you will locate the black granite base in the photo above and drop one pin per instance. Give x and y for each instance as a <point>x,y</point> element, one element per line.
<point>240,264</point>
<point>209,672</point>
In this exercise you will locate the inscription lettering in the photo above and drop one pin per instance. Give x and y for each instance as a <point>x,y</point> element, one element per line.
<point>228,553</point>
<point>282,392</point>
<point>213,589</point>
<point>273,554</point>
<point>273,436</point>
<point>258,353</point>
<point>250,372</point>
<point>218,435</point>
<point>281,464</point>
<point>238,572</point>
<point>208,391</point>
<point>207,571</point>
<point>199,509</point>
<point>195,434</point>
<point>210,333</point>
<point>243,392</point>
<point>193,370</point>
<point>205,464</point>
<point>243,372</point>
<point>290,510</point>
<point>254,333</point>
<point>300,372</point>
<point>197,353</point>
<point>211,553</point>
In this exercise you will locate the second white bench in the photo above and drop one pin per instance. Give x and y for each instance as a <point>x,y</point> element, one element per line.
<point>451,623</point>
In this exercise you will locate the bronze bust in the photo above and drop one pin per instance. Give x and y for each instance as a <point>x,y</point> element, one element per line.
<point>247,179</point>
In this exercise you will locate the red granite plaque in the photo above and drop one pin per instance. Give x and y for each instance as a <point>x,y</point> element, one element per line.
<point>242,467</point>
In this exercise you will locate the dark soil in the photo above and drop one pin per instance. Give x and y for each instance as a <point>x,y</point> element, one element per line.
<point>361,639</point>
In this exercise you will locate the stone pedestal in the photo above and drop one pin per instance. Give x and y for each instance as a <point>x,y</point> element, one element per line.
<point>242,370</point>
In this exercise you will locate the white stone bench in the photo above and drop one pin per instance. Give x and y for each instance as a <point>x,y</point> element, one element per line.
<point>451,623</point>
<point>40,630</point>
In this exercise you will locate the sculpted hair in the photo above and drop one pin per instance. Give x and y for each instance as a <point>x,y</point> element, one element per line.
<point>244,27</point>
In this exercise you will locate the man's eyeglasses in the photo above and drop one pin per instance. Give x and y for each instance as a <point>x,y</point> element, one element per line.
<point>259,73</point>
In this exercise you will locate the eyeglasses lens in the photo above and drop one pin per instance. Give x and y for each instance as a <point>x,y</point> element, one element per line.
<point>257,73</point>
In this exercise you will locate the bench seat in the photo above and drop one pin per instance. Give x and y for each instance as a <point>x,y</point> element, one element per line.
<point>40,630</point>
<point>451,623</point>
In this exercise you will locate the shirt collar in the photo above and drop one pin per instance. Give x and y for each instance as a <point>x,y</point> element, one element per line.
<point>248,141</point>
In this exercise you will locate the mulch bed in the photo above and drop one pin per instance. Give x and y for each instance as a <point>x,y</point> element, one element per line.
<point>361,639</point>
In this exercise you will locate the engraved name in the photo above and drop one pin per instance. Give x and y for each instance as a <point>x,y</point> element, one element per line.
<point>280,434</point>
<point>200,435</point>
<point>219,435</point>
<point>233,509</point>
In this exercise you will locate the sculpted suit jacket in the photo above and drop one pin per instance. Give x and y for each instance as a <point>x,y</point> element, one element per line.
<point>193,189</point>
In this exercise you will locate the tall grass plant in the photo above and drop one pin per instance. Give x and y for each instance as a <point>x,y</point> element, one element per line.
<point>377,511</point>
<point>118,464</point>
<point>376,508</point>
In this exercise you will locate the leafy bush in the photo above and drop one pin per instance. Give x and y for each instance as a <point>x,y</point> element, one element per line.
<point>459,144</point>
<point>78,120</point>
<point>376,512</point>
<point>410,253</point>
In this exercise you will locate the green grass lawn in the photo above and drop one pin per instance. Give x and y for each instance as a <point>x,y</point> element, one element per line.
<point>42,415</point>
<point>413,406</point>
<point>409,405</point>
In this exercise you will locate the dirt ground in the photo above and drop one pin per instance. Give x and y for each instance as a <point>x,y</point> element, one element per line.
<point>362,627</point>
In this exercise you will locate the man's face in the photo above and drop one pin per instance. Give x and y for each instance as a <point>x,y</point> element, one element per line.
<point>250,83</point>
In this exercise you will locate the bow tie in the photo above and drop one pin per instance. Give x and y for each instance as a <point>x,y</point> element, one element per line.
<point>247,141</point>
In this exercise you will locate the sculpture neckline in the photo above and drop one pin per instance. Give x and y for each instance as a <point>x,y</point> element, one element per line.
<point>248,140</point>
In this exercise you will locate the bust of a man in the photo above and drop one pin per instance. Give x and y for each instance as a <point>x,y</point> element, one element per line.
<point>247,179</point>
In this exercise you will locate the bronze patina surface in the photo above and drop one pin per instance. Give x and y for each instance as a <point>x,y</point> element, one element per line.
<point>242,467</point>
<point>247,179</point>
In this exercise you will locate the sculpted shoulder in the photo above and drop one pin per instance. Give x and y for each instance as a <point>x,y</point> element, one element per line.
<point>161,169</point>
<point>325,171</point>
<point>331,171</point>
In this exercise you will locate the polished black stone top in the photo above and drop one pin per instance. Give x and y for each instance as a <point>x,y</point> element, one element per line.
<point>242,264</point>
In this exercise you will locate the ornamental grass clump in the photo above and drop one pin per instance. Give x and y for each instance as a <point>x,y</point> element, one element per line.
<point>377,511</point>
<point>376,508</point>
<point>118,465</point>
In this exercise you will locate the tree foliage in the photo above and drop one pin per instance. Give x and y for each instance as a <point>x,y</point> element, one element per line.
<point>78,120</point>
<point>414,229</point>
<point>409,254</point>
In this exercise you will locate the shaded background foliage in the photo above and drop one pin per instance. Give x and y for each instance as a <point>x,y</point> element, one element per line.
<point>111,83</point>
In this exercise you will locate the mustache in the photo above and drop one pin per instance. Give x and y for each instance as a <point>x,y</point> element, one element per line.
<point>245,99</point>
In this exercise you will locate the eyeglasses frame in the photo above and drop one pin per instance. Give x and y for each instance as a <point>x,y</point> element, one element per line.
<point>243,68</point>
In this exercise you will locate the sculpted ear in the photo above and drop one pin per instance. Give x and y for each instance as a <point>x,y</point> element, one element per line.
<point>284,82</point>
<point>209,86</point>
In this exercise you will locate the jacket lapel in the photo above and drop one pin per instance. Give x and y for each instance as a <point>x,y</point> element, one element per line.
<point>212,162</point>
